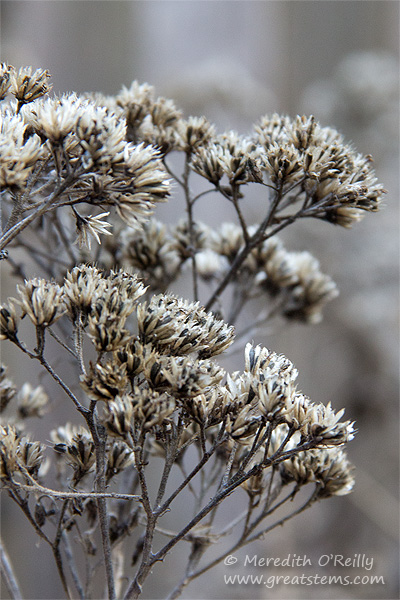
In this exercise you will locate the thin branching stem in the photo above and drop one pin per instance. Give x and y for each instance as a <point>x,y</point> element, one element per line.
<point>56,548</point>
<point>72,566</point>
<point>252,243</point>
<point>169,460</point>
<point>191,226</point>
<point>99,436</point>
<point>13,231</point>
<point>8,575</point>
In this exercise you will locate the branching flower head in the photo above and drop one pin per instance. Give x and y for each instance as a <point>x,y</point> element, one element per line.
<point>150,386</point>
<point>179,327</point>
<point>334,176</point>
<point>329,468</point>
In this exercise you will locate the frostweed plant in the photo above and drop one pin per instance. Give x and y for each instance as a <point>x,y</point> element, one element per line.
<point>81,177</point>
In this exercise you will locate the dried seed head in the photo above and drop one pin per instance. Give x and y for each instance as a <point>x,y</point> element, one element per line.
<point>110,310</point>
<point>119,457</point>
<point>19,152</point>
<point>102,136</point>
<point>135,102</point>
<point>30,455</point>
<point>194,132</point>
<point>54,119</point>
<point>284,165</point>
<point>187,241</point>
<point>182,376</point>
<point>74,444</point>
<point>63,435</point>
<point>207,162</point>
<point>17,451</point>
<point>83,287</point>
<point>208,409</point>
<point>211,265</point>
<point>41,300</point>
<point>8,321</point>
<point>104,382</point>
<point>7,388</point>
<point>317,421</point>
<point>151,250</point>
<point>244,424</point>
<point>178,327</point>
<point>312,290</point>
<point>335,474</point>
<point>9,442</point>
<point>235,153</point>
<point>27,86</point>
<point>140,410</point>
<point>159,127</point>
<point>134,356</point>
<point>107,333</point>
<point>32,402</point>
<point>265,364</point>
<point>151,408</point>
<point>80,455</point>
<point>5,79</point>
<point>142,183</point>
<point>118,415</point>
<point>327,467</point>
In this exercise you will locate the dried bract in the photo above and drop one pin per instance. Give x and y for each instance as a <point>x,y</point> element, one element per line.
<point>8,321</point>
<point>41,300</point>
<point>104,382</point>
<point>27,86</point>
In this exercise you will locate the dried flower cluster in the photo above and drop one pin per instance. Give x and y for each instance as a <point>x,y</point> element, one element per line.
<point>144,378</point>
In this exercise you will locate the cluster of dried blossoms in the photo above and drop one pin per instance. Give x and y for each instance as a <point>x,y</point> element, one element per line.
<point>150,387</point>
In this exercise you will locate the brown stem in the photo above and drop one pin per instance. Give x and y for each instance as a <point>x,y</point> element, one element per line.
<point>99,436</point>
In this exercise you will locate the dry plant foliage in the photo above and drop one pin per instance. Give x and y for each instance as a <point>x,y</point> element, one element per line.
<point>144,383</point>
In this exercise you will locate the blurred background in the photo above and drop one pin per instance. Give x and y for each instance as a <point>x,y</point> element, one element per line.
<point>234,62</point>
